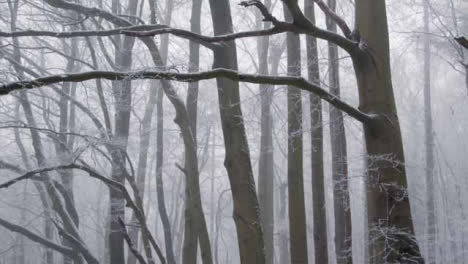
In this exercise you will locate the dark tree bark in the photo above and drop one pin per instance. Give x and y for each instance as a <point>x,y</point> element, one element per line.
<point>237,161</point>
<point>341,202</point>
<point>296,202</point>
<point>389,216</point>
<point>316,137</point>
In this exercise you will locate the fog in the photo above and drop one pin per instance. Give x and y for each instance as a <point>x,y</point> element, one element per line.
<point>147,131</point>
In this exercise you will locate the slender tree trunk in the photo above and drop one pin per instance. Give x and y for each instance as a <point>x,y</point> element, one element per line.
<point>23,101</point>
<point>195,224</point>
<point>283,233</point>
<point>63,153</point>
<point>296,205</point>
<point>123,98</point>
<point>159,179</point>
<point>265,164</point>
<point>391,230</point>
<point>341,202</point>
<point>275,57</point>
<point>133,230</point>
<point>237,161</point>
<point>192,102</point>
<point>316,138</point>
<point>158,94</point>
<point>429,142</point>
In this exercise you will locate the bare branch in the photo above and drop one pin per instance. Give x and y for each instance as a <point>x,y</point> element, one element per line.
<point>9,166</point>
<point>77,244</point>
<point>267,16</point>
<point>36,238</point>
<point>110,183</point>
<point>335,17</point>
<point>299,82</point>
<point>300,25</point>
<point>130,243</point>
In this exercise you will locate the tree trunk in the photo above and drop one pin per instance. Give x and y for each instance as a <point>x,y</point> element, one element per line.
<point>316,138</point>
<point>123,98</point>
<point>23,101</point>
<point>283,233</point>
<point>159,179</point>
<point>296,202</point>
<point>341,202</point>
<point>389,216</point>
<point>265,163</point>
<point>133,230</point>
<point>237,161</point>
<point>429,142</point>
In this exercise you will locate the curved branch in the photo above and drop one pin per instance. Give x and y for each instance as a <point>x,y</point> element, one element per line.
<point>335,17</point>
<point>36,238</point>
<point>299,82</point>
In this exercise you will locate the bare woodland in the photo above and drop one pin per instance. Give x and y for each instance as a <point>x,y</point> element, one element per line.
<point>218,131</point>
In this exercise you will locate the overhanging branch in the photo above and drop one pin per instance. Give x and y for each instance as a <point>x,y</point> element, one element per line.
<point>298,82</point>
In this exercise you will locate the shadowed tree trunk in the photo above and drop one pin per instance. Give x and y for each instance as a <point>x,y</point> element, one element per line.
<point>237,160</point>
<point>429,142</point>
<point>316,137</point>
<point>265,163</point>
<point>296,202</point>
<point>192,103</point>
<point>341,202</point>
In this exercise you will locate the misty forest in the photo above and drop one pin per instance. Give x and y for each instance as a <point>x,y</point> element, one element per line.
<point>233,131</point>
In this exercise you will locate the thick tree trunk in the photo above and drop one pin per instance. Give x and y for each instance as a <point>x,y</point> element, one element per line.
<point>237,161</point>
<point>429,142</point>
<point>341,202</point>
<point>265,163</point>
<point>390,223</point>
<point>296,202</point>
<point>316,138</point>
